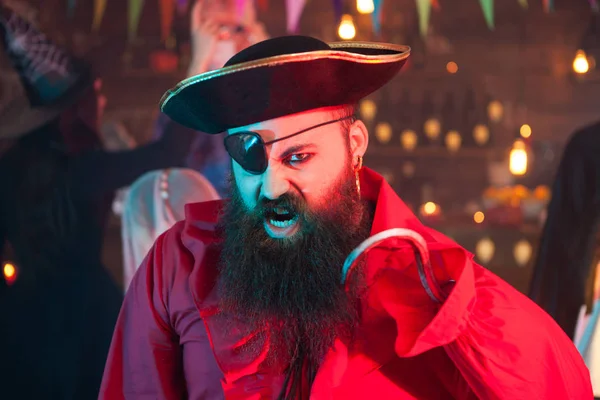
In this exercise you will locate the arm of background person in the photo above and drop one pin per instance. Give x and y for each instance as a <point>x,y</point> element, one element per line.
<point>99,171</point>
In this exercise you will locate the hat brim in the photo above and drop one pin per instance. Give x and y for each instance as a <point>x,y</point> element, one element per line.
<point>271,87</point>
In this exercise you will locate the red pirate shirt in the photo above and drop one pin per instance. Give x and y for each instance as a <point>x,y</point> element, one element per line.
<point>485,341</point>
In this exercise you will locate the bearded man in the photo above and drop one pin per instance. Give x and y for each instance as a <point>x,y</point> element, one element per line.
<point>265,296</point>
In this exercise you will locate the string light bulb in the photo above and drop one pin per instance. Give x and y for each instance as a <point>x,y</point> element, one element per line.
<point>525,131</point>
<point>383,132</point>
<point>518,158</point>
<point>368,109</point>
<point>432,128</point>
<point>581,64</point>
<point>365,6</point>
<point>346,30</point>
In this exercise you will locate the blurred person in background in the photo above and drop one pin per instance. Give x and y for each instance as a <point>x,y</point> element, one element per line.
<point>566,280</point>
<point>217,33</point>
<point>153,204</point>
<point>57,185</point>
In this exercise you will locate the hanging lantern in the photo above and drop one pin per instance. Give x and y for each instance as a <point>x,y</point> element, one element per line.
<point>368,109</point>
<point>481,134</point>
<point>525,131</point>
<point>432,128</point>
<point>522,252</point>
<point>518,158</point>
<point>581,64</point>
<point>453,141</point>
<point>485,250</point>
<point>495,111</point>
<point>409,139</point>
<point>408,169</point>
<point>383,132</point>
<point>365,6</point>
<point>346,30</point>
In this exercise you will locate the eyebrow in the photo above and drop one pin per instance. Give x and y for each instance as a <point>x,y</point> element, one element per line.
<point>295,149</point>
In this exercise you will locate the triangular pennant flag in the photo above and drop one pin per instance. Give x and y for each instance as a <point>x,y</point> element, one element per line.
<point>135,11</point>
<point>71,8</point>
<point>424,10</point>
<point>524,3</point>
<point>436,5</point>
<point>167,13</point>
<point>99,8</point>
<point>338,9</point>
<point>548,5</point>
<point>487,6</point>
<point>294,10</point>
<point>376,16</point>
<point>263,5</point>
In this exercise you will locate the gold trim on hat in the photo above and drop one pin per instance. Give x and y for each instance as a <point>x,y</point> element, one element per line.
<point>335,54</point>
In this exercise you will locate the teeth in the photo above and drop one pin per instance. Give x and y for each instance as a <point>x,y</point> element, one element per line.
<point>283,224</point>
<point>281,211</point>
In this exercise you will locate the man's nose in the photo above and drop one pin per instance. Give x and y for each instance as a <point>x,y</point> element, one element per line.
<point>274,182</point>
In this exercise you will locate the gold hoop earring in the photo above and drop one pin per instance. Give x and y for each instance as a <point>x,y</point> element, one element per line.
<point>357,168</point>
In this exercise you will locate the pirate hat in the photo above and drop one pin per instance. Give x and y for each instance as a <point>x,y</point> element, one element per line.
<point>282,76</point>
<point>38,80</point>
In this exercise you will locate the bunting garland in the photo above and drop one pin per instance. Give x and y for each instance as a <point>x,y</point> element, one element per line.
<point>167,13</point>
<point>376,16</point>
<point>548,5</point>
<point>423,10</point>
<point>338,9</point>
<point>487,6</point>
<point>134,12</point>
<point>70,8</point>
<point>294,10</point>
<point>99,8</point>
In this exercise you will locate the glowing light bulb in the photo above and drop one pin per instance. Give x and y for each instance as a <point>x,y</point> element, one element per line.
<point>481,133</point>
<point>518,158</point>
<point>409,139</point>
<point>581,64</point>
<point>383,131</point>
<point>9,271</point>
<point>368,109</point>
<point>495,110</point>
<point>432,128</point>
<point>453,141</point>
<point>485,250</point>
<point>365,6</point>
<point>478,217</point>
<point>452,67</point>
<point>525,131</point>
<point>346,30</point>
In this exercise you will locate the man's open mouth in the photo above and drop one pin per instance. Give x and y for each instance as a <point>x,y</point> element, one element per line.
<point>281,222</point>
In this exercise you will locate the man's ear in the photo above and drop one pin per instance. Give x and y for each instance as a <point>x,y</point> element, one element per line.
<point>358,139</point>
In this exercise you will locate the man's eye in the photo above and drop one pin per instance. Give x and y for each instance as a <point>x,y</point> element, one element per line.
<point>298,158</point>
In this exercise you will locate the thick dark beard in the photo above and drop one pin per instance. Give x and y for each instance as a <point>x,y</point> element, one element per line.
<point>293,286</point>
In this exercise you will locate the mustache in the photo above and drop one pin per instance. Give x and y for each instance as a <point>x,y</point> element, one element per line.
<point>288,202</point>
